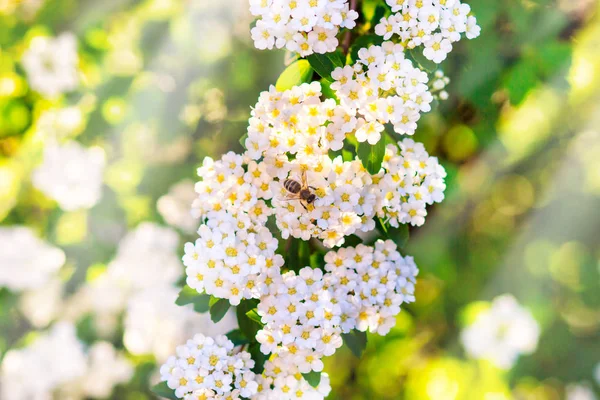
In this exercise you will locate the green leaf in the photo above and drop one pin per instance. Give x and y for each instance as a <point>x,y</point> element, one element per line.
<point>356,342</point>
<point>381,227</point>
<point>363,42</point>
<point>316,260</point>
<point>296,74</point>
<point>313,378</point>
<point>253,315</point>
<point>327,92</point>
<point>165,391</point>
<point>324,64</point>
<point>237,337</point>
<point>520,80</point>
<point>553,58</point>
<point>191,296</point>
<point>248,326</point>
<point>243,140</point>
<point>258,357</point>
<point>352,241</point>
<point>372,155</point>
<point>399,235</point>
<point>380,12</point>
<point>218,309</point>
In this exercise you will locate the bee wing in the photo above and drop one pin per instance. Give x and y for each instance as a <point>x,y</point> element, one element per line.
<point>304,180</point>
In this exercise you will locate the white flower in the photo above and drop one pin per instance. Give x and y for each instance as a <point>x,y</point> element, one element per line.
<point>579,391</point>
<point>27,262</point>
<point>435,24</point>
<point>175,206</point>
<point>437,48</point>
<point>51,64</point>
<point>154,324</point>
<point>301,26</point>
<point>207,366</point>
<point>106,368</point>
<point>385,87</point>
<point>71,174</point>
<point>40,306</point>
<point>146,256</point>
<point>55,358</point>
<point>502,333</point>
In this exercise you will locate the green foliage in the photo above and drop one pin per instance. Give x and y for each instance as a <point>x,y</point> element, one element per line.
<point>313,378</point>
<point>165,391</point>
<point>362,42</point>
<point>372,155</point>
<point>246,318</point>
<point>187,295</point>
<point>296,74</point>
<point>356,342</point>
<point>398,235</point>
<point>237,337</point>
<point>218,308</point>
<point>324,64</point>
<point>258,357</point>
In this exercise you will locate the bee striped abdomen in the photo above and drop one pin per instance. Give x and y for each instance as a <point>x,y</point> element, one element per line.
<point>292,186</point>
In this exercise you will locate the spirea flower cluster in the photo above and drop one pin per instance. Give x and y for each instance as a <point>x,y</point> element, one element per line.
<point>210,368</point>
<point>383,87</point>
<point>282,380</point>
<point>71,174</point>
<point>305,314</point>
<point>301,26</point>
<point>52,64</point>
<point>502,333</point>
<point>27,262</point>
<point>410,181</point>
<point>231,259</point>
<point>434,24</point>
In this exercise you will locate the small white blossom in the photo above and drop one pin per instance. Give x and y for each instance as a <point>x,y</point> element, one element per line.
<point>27,262</point>
<point>210,367</point>
<point>303,26</point>
<point>502,333</point>
<point>175,206</point>
<point>432,23</point>
<point>51,64</point>
<point>71,174</point>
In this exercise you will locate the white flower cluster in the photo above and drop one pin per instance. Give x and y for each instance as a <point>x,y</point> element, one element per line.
<point>154,324</point>
<point>383,87</point>
<point>51,64</point>
<point>174,206</point>
<point>302,320</point>
<point>410,181</point>
<point>438,85</point>
<point>290,134</point>
<point>71,174</point>
<point>301,26</point>
<point>207,368</point>
<point>141,282</point>
<point>434,24</point>
<point>371,283</point>
<point>105,369</point>
<point>501,333</point>
<point>305,314</point>
<point>56,362</point>
<point>26,262</point>
<point>231,259</point>
<point>282,380</point>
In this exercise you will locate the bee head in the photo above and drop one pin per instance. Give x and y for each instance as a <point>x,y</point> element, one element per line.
<point>310,199</point>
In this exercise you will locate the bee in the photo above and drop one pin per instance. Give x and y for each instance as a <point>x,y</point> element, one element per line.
<point>300,191</point>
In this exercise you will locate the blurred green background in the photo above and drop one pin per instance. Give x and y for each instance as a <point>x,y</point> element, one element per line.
<point>167,82</point>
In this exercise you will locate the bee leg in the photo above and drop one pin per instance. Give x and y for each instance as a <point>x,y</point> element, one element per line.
<point>313,188</point>
<point>304,206</point>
